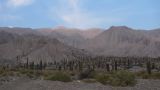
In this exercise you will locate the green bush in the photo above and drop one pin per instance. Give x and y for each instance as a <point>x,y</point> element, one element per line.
<point>86,74</point>
<point>89,80</point>
<point>23,71</point>
<point>156,75</point>
<point>29,73</point>
<point>122,78</point>
<point>145,75</point>
<point>103,78</point>
<point>119,78</point>
<point>59,76</point>
<point>6,73</point>
<point>139,74</point>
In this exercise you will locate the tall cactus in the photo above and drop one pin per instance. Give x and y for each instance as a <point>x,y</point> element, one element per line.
<point>148,67</point>
<point>107,67</point>
<point>40,65</point>
<point>27,63</point>
<point>115,65</point>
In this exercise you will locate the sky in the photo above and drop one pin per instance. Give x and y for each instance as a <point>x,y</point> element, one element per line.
<point>138,14</point>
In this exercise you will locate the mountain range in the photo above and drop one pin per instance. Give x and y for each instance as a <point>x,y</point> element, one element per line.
<point>61,43</point>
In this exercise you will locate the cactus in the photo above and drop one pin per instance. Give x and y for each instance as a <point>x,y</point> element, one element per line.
<point>149,67</point>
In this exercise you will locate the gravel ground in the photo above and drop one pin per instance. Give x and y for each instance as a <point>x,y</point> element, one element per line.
<point>28,84</point>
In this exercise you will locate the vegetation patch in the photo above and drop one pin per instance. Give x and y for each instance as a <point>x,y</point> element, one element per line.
<point>59,76</point>
<point>89,80</point>
<point>103,78</point>
<point>122,78</point>
<point>119,78</point>
<point>145,75</point>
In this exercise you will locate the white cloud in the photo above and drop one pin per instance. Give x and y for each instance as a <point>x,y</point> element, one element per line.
<point>7,5</point>
<point>18,3</point>
<point>73,14</point>
<point>74,3</point>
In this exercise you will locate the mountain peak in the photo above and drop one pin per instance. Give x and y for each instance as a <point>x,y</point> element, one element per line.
<point>119,28</point>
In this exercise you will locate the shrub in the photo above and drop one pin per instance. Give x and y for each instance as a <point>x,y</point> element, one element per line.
<point>89,80</point>
<point>2,72</point>
<point>59,76</point>
<point>30,73</point>
<point>23,71</point>
<point>86,74</point>
<point>156,75</point>
<point>139,74</point>
<point>6,73</point>
<point>145,75</point>
<point>103,78</point>
<point>142,74</point>
<point>119,78</point>
<point>122,78</point>
<point>26,72</point>
<point>47,73</point>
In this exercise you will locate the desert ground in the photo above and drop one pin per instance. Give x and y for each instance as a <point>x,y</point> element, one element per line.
<point>23,83</point>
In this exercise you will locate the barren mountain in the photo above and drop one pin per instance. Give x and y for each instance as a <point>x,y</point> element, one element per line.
<point>19,30</point>
<point>124,41</point>
<point>87,34</point>
<point>59,43</point>
<point>35,48</point>
<point>71,36</point>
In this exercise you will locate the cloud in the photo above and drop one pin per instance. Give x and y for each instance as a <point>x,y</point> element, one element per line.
<point>73,13</point>
<point>75,16</point>
<point>6,7</point>
<point>74,3</point>
<point>19,3</point>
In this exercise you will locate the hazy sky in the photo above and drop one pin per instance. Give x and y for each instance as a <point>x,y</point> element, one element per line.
<point>143,14</point>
